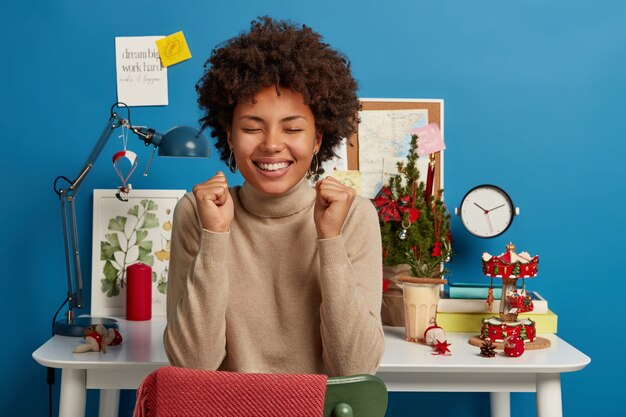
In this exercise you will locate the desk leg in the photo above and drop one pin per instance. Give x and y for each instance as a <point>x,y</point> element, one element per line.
<point>73,393</point>
<point>549,395</point>
<point>500,404</point>
<point>109,402</point>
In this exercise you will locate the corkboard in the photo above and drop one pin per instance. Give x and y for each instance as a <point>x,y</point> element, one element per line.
<point>435,115</point>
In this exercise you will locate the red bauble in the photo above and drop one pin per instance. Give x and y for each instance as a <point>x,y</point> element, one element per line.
<point>513,346</point>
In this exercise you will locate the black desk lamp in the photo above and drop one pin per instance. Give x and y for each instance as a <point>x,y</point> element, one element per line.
<point>179,141</point>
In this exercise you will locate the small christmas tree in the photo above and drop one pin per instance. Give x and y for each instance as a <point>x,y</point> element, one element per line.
<point>415,226</point>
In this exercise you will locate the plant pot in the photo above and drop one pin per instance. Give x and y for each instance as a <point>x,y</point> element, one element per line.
<point>420,296</point>
<point>392,308</point>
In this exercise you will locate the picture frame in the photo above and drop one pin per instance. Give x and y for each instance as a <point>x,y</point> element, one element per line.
<point>126,232</point>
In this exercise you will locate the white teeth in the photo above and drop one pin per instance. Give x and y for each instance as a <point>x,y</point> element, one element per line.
<point>273,167</point>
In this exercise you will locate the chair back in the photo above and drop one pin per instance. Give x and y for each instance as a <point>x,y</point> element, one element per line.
<point>355,396</point>
<point>171,391</point>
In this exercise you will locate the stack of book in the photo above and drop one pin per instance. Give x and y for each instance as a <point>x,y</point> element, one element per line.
<point>463,306</point>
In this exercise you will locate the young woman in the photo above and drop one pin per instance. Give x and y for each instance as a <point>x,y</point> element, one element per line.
<point>274,275</point>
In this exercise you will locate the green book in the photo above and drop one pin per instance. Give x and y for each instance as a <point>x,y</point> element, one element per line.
<point>472,322</point>
<point>471,290</point>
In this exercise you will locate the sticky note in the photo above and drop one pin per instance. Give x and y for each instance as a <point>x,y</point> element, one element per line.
<point>173,49</point>
<point>429,139</point>
<point>350,179</point>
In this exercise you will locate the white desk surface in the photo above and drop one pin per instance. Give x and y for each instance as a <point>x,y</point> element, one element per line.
<point>143,348</point>
<point>404,367</point>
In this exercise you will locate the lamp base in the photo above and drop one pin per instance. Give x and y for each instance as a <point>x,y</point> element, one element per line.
<point>77,327</point>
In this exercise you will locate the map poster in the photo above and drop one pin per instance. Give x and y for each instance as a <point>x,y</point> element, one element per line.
<point>384,139</point>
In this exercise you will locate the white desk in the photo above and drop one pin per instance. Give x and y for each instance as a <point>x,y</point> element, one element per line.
<point>405,367</point>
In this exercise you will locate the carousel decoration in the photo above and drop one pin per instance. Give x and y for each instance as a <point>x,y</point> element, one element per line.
<point>507,327</point>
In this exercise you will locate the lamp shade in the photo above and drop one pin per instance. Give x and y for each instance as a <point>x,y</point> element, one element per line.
<point>183,141</point>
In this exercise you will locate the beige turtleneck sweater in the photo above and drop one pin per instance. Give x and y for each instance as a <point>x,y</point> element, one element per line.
<point>268,296</point>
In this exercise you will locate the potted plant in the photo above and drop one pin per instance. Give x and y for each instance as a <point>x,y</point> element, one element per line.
<point>415,230</point>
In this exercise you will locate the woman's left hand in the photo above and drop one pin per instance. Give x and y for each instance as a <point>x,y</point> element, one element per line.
<point>331,207</point>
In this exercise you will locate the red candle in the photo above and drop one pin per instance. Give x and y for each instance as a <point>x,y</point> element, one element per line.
<point>138,292</point>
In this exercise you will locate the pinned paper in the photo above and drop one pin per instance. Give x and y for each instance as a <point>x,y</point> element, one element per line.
<point>141,79</point>
<point>350,179</point>
<point>429,139</point>
<point>173,49</point>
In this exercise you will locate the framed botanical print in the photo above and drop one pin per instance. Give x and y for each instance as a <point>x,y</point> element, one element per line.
<point>126,232</point>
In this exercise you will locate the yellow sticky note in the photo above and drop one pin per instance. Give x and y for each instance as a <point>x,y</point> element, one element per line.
<point>173,49</point>
<point>350,179</point>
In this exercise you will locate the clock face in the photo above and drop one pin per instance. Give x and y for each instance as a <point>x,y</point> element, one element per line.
<point>487,211</point>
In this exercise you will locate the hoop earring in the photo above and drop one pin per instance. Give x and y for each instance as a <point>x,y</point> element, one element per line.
<point>310,172</point>
<point>232,162</point>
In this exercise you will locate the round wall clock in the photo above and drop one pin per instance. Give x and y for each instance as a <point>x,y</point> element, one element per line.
<point>487,211</point>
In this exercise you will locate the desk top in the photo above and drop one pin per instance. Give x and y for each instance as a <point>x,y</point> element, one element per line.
<point>142,348</point>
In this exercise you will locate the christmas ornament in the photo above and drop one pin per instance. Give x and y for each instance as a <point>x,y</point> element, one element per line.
<point>437,229</point>
<point>388,208</point>
<point>487,349</point>
<point>403,233</point>
<point>118,159</point>
<point>507,328</point>
<point>386,283</point>
<point>441,348</point>
<point>510,264</point>
<point>97,338</point>
<point>430,177</point>
<point>434,333</point>
<point>519,300</point>
<point>513,346</point>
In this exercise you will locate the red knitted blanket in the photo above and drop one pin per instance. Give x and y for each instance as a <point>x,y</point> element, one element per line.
<point>171,391</point>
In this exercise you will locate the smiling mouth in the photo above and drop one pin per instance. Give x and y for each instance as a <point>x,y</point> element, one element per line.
<point>272,167</point>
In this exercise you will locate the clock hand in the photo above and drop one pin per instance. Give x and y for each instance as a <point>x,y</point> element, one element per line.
<point>489,222</point>
<point>486,211</point>
<point>501,205</point>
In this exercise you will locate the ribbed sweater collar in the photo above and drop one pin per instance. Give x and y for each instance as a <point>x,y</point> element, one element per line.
<point>295,200</point>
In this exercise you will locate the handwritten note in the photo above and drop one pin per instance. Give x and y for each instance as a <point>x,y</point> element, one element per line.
<point>141,79</point>
<point>173,49</point>
<point>429,139</point>
<point>350,179</point>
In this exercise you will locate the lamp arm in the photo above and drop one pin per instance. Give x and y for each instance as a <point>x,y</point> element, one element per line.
<point>67,197</point>
<point>113,123</point>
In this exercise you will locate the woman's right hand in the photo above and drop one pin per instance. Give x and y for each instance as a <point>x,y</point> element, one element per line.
<point>215,205</point>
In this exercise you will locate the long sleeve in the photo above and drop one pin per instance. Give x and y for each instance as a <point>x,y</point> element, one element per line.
<point>197,293</point>
<point>351,289</point>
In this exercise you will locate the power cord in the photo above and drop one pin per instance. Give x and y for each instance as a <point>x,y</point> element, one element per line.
<point>50,377</point>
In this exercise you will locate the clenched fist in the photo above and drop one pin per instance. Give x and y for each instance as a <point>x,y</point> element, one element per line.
<point>332,205</point>
<point>215,205</point>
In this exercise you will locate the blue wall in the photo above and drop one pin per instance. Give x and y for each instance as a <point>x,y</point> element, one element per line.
<point>533,92</point>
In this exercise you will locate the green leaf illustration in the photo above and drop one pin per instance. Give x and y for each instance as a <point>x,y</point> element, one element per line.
<point>145,246</point>
<point>114,240</point>
<point>110,271</point>
<point>150,221</point>
<point>149,205</point>
<point>141,235</point>
<point>162,287</point>
<point>117,224</point>
<point>107,251</point>
<point>141,217</point>
<point>146,259</point>
<point>110,288</point>
<point>134,211</point>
